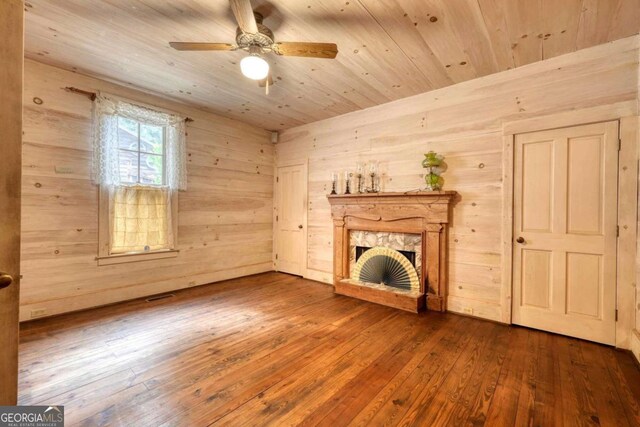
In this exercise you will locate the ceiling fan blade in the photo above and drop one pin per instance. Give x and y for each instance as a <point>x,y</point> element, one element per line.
<point>309,50</point>
<point>202,46</point>
<point>243,12</point>
<point>263,82</point>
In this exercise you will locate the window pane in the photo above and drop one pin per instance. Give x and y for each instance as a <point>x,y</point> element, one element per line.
<point>151,169</point>
<point>128,167</point>
<point>151,139</point>
<point>127,134</point>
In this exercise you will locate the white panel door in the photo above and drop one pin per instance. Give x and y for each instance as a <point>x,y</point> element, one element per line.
<point>291,208</point>
<point>565,231</point>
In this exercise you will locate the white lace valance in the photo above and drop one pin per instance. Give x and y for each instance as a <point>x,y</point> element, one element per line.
<point>107,108</point>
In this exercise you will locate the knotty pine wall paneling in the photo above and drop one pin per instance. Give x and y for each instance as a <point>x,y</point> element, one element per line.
<point>225,217</point>
<point>466,123</point>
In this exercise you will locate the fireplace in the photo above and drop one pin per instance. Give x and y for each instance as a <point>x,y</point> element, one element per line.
<point>408,245</point>
<point>408,233</point>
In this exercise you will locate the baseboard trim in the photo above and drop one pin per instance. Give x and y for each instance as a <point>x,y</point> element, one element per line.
<point>319,276</point>
<point>120,295</point>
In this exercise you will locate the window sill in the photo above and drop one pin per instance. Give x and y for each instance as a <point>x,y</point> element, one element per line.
<point>136,257</point>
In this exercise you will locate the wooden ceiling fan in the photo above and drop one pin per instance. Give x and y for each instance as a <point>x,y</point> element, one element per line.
<point>257,39</point>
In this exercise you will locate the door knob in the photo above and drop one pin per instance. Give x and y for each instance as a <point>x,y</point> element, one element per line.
<point>5,280</point>
<point>300,226</point>
<point>520,239</point>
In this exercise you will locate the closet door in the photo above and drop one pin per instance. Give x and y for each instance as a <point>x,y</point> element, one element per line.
<point>565,231</point>
<point>291,209</point>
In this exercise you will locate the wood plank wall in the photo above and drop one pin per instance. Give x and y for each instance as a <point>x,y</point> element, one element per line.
<point>225,217</point>
<point>465,123</point>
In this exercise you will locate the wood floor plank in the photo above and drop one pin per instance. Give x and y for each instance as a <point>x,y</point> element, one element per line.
<point>350,399</point>
<point>547,406</point>
<point>305,390</point>
<point>140,353</point>
<point>623,371</point>
<point>504,405</point>
<point>477,394</point>
<point>439,400</point>
<point>424,383</point>
<point>226,379</point>
<point>527,395</point>
<point>426,354</point>
<point>240,387</point>
<point>274,349</point>
<point>609,410</point>
<point>569,391</point>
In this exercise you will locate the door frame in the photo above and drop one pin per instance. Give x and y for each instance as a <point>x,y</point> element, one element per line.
<point>11,93</point>
<point>629,134</point>
<point>305,191</point>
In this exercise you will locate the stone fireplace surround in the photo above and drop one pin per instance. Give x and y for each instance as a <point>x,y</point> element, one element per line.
<point>425,214</point>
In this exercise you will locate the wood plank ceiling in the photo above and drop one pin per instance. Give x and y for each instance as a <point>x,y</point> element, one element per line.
<point>389,49</point>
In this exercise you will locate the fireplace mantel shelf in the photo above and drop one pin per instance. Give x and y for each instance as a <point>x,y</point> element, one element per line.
<point>406,194</point>
<point>421,212</point>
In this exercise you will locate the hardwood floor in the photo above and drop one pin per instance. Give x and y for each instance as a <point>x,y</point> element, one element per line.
<point>274,349</point>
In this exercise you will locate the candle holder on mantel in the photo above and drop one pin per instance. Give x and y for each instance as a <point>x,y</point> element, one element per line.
<point>373,175</point>
<point>347,182</point>
<point>334,183</point>
<point>366,179</point>
<point>360,176</point>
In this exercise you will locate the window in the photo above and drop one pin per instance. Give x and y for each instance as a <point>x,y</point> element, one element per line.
<point>140,204</point>
<point>139,163</point>
<point>141,152</point>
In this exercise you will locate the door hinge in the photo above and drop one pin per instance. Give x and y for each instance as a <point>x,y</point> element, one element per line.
<point>276,218</point>
<point>277,179</point>
<point>617,231</point>
<point>276,256</point>
<point>616,314</point>
<point>619,144</point>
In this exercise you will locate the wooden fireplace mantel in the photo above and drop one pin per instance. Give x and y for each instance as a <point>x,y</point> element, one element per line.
<point>424,213</point>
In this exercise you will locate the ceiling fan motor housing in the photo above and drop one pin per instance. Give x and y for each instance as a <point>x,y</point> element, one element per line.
<point>264,38</point>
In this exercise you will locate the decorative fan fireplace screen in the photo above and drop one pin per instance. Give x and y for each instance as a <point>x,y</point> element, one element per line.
<point>386,266</point>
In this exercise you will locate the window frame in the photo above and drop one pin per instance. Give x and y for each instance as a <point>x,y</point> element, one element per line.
<point>105,213</point>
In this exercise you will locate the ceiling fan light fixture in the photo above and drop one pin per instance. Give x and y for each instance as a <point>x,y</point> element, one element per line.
<point>254,67</point>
